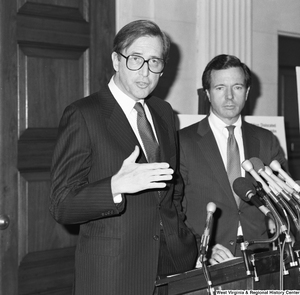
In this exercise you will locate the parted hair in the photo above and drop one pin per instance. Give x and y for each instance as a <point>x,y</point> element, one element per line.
<point>222,62</point>
<point>140,28</point>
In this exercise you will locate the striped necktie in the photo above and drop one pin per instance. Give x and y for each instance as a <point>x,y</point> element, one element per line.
<point>233,160</point>
<point>151,146</point>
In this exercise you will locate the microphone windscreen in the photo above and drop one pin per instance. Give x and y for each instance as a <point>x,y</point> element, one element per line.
<point>257,164</point>
<point>211,207</point>
<point>242,187</point>
<point>275,165</point>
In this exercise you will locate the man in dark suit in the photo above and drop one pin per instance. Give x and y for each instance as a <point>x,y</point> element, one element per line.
<point>203,160</point>
<point>105,178</point>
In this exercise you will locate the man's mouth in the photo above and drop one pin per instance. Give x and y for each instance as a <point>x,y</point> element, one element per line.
<point>142,84</point>
<point>230,106</point>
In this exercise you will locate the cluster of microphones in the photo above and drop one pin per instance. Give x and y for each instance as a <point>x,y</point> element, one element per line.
<point>273,192</point>
<point>273,184</point>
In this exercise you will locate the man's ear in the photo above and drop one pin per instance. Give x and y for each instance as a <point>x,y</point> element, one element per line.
<point>115,61</point>
<point>247,92</point>
<point>207,94</point>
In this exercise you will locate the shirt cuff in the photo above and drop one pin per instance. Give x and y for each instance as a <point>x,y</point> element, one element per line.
<point>118,199</point>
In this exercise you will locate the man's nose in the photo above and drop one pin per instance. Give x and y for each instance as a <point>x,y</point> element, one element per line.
<point>229,93</point>
<point>144,70</point>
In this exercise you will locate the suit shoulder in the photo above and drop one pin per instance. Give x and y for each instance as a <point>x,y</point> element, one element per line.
<point>161,107</point>
<point>92,99</point>
<point>257,129</point>
<point>190,129</point>
<point>156,101</point>
<point>101,101</point>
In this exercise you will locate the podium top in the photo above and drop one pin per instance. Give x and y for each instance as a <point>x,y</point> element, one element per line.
<point>233,274</point>
<point>232,269</point>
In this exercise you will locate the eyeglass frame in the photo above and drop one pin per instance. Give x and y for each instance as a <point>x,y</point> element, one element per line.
<point>145,61</point>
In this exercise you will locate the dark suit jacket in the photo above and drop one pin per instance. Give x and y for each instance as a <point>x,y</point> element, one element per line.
<point>206,180</point>
<point>117,251</point>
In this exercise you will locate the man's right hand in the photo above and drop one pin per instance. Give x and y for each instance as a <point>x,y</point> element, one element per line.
<point>134,177</point>
<point>219,254</point>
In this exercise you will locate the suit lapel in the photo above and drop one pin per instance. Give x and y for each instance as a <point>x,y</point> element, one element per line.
<point>209,148</point>
<point>161,129</point>
<point>251,143</point>
<point>121,130</point>
<point>118,125</point>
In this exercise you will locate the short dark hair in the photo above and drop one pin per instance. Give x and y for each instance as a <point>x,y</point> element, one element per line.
<point>140,28</point>
<point>222,62</point>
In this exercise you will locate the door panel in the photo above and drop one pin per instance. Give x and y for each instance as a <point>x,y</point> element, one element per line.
<point>52,52</point>
<point>289,109</point>
<point>289,58</point>
<point>44,93</point>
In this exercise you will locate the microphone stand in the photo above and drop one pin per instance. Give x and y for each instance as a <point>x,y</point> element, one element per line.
<point>274,238</point>
<point>244,245</point>
<point>211,208</point>
<point>285,207</point>
<point>206,273</point>
<point>203,261</point>
<point>278,223</point>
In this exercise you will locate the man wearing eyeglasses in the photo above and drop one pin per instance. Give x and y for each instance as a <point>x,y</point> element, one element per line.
<point>113,172</point>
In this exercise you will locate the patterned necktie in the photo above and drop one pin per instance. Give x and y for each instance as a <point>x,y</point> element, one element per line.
<point>233,160</point>
<point>149,141</point>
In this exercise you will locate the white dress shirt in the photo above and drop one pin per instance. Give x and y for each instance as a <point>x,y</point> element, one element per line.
<point>220,132</point>
<point>127,104</point>
<point>221,135</point>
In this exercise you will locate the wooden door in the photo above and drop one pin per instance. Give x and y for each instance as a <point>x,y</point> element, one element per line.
<point>289,58</point>
<point>52,52</point>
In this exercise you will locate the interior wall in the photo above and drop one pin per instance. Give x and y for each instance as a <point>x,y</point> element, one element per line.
<point>178,19</point>
<point>271,18</point>
<point>191,28</point>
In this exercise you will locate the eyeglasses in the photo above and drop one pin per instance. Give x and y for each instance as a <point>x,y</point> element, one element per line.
<point>136,62</point>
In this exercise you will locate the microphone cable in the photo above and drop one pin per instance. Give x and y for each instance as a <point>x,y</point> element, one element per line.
<point>247,192</point>
<point>285,229</point>
<point>276,190</point>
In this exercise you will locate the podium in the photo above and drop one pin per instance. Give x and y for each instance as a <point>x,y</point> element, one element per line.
<point>232,275</point>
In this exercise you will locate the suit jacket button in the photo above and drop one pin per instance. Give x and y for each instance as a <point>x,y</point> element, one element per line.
<point>155,237</point>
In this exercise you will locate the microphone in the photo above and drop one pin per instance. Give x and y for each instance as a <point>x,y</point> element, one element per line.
<point>287,189</point>
<point>279,181</point>
<point>277,190</point>
<point>210,209</point>
<point>275,166</point>
<point>260,168</point>
<point>262,194</point>
<point>294,185</point>
<point>279,222</point>
<point>248,167</point>
<point>295,193</point>
<point>265,192</point>
<point>246,191</point>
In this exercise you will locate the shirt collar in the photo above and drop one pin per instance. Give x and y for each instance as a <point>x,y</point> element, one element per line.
<point>221,126</point>
<point>126,103</point>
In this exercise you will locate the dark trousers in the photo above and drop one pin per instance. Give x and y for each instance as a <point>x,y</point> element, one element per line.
<point>165,264</point>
